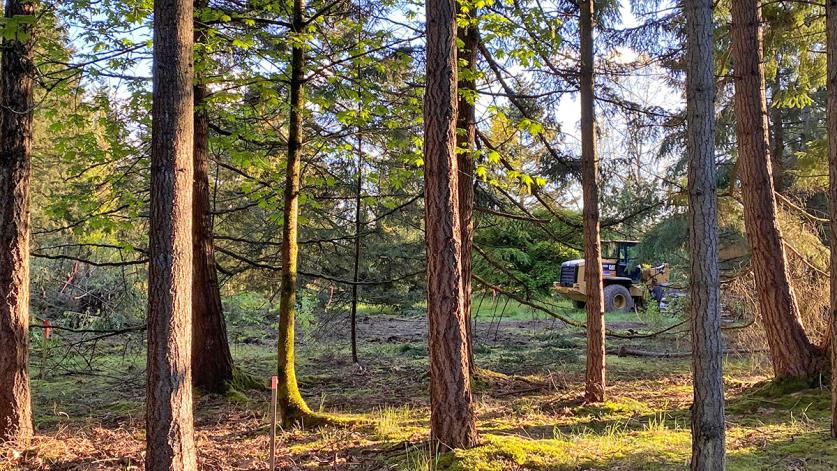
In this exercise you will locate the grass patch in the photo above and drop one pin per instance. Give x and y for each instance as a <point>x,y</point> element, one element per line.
<point>651,449</point>
<point>393,423</point>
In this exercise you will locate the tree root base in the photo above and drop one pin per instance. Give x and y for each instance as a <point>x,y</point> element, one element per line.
<point>780,387</point>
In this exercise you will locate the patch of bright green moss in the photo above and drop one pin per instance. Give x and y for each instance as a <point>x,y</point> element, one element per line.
<point>651,449</point>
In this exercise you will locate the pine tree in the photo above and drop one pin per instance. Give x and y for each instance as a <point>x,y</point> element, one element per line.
<point>169,428</point>
<point>595,377</point>
<point>17,77</point>
<point>451,412</point>
<point>212,364</point>
<point>704,277</point>
<point>792,353</point>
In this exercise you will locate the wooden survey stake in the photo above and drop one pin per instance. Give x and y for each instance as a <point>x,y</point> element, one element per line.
<point>274,382</point>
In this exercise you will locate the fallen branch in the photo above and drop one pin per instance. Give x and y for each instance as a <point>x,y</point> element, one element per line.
<point>787,202</point>
<point>804,259</point>
<point>518,217</point>
<point>90,262</point>
<point>138,328</point>
<point>624,351</point>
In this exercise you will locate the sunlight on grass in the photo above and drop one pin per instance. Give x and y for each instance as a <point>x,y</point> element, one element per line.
<point>390,422</point>
<point>420,458</point>
<point>611,447</point>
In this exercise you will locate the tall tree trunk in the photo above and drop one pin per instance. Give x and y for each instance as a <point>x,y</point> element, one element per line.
<point>212,364</point>
<point>451,412</point>
<point>792,353</point>
<point>358,230</point>
<point>704,277</point>
<point>17,76</point>
<point>466,139</point>
<point>291,405</point>
<point>169,429</point>
<point>831,132</point>
<point>594,390</point>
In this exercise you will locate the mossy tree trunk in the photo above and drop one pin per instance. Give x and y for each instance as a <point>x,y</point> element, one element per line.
<point>452,422</point>
<point>704,277</point>
<point>792,353</point>
<point>212,364</point>
<point>17,77</point>
<point>291,406</point>
<point>594,390</point>
<point>169,428</point>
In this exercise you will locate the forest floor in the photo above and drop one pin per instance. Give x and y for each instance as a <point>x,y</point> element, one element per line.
<point>530,416</point>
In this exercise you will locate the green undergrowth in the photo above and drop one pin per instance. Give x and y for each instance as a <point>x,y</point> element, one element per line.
<point>659,446</point>
<point>770,402</point>
<point>783,387</point>
<point>648,449</point>
<point>801,446</point>
<point>659,443</point>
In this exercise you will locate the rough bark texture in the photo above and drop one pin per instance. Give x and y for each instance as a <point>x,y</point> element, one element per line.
<point>594,390</point>
<point>704,277</point>
<point>169,430</point>
<point>831,113</point>
<point>291,405</point>
<point>212,364</point>
<point>466,139</point>
<point>792,353</point>
<point>17,74</point>
<point>451,413</point>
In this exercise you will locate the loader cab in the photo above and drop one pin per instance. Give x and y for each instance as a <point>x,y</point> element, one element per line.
<point>619,259</point>
<point>626,284</point>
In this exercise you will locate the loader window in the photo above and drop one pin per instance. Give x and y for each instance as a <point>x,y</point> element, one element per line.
<point>626,263</point>
<point>610,250</point>
<point>630,253</point>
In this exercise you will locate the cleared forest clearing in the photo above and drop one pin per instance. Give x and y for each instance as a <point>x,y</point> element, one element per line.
<point>528,403</point>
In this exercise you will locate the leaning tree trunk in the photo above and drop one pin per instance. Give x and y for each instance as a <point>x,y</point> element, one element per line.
<point>451,412</point>
<point>792,353</point>
<point>212,364</point>
<point>291,405</point>
<point>594,390</point>
<point>704,277</point>
<point>17,76</point>
<point>466,140</point>
<point>169,433</point>
<point>831,132</point>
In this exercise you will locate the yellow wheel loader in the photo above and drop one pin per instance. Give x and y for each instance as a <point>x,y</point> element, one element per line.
<point>626,283</point>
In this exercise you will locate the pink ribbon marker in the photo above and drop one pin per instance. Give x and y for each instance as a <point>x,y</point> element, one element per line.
<point>274,382</point>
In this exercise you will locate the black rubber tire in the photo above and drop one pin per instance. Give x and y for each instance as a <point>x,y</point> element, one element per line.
<point>617,298</point>
<point>579,304</point>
